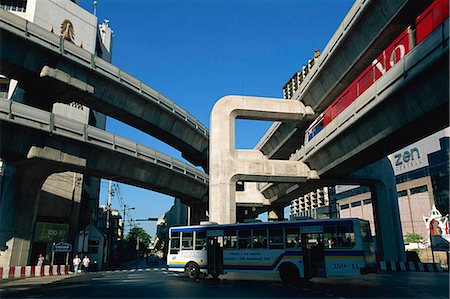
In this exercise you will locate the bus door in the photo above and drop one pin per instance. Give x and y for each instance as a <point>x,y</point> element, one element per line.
<point>313,255</point>
<point>215,253</point>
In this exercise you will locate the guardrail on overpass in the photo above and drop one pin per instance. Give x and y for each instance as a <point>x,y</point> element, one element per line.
<point>78,57</point>
<point>23,115</point>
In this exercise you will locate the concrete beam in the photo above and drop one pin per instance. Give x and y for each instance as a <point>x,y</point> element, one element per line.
<point>229,165</point>
<point>56,156</point>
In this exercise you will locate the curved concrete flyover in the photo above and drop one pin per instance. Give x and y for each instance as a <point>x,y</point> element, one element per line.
<point>25,50</point>
<point>30,133</point>
<point>367,29</point>
<point>409,102</point>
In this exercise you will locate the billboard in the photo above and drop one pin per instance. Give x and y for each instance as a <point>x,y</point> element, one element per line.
<point>411,157</point>
<point>415,156</point>
<point>51,232</point>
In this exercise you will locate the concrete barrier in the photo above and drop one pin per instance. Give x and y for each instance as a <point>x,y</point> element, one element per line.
<point>32,271</point>
<point>409,266</point>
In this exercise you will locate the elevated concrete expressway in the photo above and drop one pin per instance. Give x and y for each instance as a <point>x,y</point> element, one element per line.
<point>28,133</point>
<point>408,103</point>
<point>367,29</point>
<point>50,68</point>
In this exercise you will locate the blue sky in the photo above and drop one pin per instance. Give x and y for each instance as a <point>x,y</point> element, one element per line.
<point>197,51</point>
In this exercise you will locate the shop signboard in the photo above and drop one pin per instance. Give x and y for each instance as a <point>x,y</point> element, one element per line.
<point>51,232</point>
<point>62,247</point>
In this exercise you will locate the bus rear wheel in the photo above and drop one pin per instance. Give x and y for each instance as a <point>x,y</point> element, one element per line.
<point>192,270</point>
<point>289,273</point>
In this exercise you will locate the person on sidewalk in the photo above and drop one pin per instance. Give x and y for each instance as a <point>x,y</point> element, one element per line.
<point>40,261</point>
<point>76,262</point>
<point>86,262</point>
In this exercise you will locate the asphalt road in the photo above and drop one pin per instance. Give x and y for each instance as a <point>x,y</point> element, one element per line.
<point>154,283</point>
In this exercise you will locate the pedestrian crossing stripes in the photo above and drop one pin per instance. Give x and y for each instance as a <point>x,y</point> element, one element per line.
<point>409,266</point>
<point>135,270</point>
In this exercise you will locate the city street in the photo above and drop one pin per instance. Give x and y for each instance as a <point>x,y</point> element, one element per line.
<point>154,283</point>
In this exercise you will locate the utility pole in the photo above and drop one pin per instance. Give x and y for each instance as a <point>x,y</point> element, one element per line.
<point>123,224</point>
<point>124,211</point>
<point>108,226</point>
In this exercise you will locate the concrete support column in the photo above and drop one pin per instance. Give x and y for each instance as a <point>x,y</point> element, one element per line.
<point>197,213</point>
<point>276,214</point>
<point>227,165</point>
<point>389,236</point>
<point>18,210</point>
<point>20,185</point>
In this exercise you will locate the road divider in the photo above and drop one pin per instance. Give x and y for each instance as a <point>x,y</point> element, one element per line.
<point>32,271</point>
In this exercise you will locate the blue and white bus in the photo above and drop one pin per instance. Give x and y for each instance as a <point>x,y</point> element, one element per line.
<point>298,250</point>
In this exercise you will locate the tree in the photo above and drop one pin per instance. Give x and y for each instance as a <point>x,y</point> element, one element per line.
<point>138,233</point>
<point>413,238</point>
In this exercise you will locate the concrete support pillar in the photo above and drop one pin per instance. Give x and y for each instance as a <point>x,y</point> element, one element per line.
<point>20,184</point>
<point>228,165</point>
<point>197,213</point>
<point>389,236</point>
<point>18,210</point>
<point>275,214</point>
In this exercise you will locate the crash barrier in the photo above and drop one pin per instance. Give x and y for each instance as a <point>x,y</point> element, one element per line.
<point>409,266</point>
<point>32,271</point>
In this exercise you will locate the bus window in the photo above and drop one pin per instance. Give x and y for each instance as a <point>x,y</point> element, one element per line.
<point>244,238</point>
<point>259,238</point>
<point>345,236</point>
<point>292,237</point>
<point>200,240</point>
<point>186,241</point>
<point>276,238</point>
<point>329,236</point>
<point>365,232</point>
<point>230,239</point>
<point>175,243</point>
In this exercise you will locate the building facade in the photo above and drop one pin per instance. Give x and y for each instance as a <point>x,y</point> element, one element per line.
<point>422,176</point>
<point>310,204</point>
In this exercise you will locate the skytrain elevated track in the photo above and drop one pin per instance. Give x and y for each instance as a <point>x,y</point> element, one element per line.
<point>31,133</point>
<point>53,68</point>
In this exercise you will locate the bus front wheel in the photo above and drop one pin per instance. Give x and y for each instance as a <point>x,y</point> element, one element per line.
<point>192,270</point>
<point>289,273</point>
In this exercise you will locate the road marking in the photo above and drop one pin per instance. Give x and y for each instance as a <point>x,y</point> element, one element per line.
<point>133,280</point>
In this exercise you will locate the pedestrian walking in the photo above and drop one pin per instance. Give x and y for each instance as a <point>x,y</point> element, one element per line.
<point>86,262</point>
<point>76,262</point>
<point>40,261</point>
